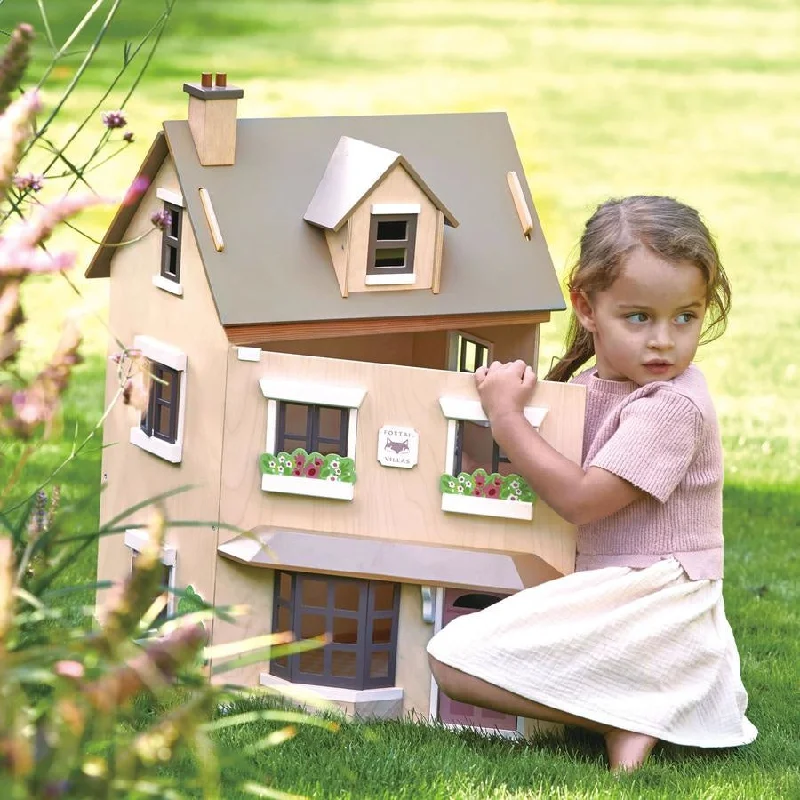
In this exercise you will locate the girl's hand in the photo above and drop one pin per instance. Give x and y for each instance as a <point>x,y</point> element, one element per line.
<point>504,388</point>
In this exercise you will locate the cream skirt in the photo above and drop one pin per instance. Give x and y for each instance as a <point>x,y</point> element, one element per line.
<point>645,650</point>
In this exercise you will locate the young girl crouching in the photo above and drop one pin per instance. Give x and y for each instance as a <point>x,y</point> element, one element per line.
<point>634,644</point>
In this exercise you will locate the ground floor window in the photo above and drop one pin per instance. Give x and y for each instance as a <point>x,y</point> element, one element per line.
<point>359,618</point>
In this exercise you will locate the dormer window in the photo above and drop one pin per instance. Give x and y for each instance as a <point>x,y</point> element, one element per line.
<point>383,224</point>
<point>171,244</point>
<point>392,238</point>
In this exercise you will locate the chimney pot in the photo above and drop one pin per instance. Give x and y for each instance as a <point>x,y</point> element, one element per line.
<point>221,79</point>
<point>205,80</point>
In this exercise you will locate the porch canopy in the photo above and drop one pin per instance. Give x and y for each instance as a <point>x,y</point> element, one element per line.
<point>381,559</point>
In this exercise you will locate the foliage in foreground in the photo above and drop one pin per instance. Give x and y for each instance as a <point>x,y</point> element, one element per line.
<point>77,695</point>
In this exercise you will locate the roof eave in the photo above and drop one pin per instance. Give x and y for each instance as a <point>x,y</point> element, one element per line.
<point>100,265</point>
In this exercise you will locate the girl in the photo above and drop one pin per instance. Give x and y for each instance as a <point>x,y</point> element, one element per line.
<point>634,644</point>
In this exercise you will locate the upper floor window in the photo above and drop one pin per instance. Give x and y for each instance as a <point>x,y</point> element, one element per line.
<point>171,244</point>
<point>314,428</point>
<point>358,617</point>
<point>161,417</point>
<point>467,353</point>
<point>160,430</point>
<point>391,244</point>
<point>475,449</point>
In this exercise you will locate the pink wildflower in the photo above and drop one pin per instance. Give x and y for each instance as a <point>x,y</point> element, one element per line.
<point>69,669</point>
<point>136,190</point>
<point>29,182</point>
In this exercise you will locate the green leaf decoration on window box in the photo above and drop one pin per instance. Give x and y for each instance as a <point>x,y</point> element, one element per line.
<point>492,486</point>
<point>300,464</point>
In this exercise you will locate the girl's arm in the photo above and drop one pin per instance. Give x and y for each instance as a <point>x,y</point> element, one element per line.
<point>577,496</point>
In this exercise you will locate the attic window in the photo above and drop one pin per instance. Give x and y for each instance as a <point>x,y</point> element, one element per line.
<point>392,238</point>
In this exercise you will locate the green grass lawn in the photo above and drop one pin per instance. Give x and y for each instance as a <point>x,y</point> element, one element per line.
<point>695,99</point>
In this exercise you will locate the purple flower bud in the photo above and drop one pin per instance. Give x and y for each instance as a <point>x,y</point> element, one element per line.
<point>161,219</point>
<point>29,182</point>
<point>128,136</point>
<point>114,119</point>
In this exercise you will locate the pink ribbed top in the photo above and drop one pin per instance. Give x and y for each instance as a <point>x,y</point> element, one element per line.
<point>663,438</point>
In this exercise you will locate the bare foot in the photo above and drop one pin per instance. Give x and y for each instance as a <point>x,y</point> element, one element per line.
<point>627,750</point>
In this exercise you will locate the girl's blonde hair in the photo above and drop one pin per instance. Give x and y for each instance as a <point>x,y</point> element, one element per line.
<point>671,230</point>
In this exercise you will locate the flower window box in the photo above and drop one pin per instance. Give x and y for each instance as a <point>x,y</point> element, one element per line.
<point>487,494</point>
<point>312,474</point>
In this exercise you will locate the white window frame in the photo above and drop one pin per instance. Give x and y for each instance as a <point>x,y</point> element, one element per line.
<point>456,409</point>
<point>176,199</point>
<point>433,709</point>
<point>407,279</point>
<point>310,393</point>
<point>137,540</point>
<point>172,357</point>
<point>453,348</point>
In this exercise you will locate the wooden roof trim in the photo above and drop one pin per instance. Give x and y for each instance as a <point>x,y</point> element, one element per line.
<point>449,218</point>
<point>211,219</point>
<point>252,335</point>
<point>100,265</point>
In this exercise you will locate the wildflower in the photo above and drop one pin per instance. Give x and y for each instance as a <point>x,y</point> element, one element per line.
<point>128,136</point>
<point>161,219</point>
<point>136,190</point>
<point>15,128</point>
<point>114,119</point>
<point>29,182</point>
<point>69,669</point>
<point>14,62</point>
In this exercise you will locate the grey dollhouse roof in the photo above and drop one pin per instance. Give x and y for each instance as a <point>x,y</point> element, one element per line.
<point>354,170</point>
<point>276,266</point>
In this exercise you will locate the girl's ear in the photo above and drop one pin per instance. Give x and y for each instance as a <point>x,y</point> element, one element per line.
<point>583,310</point>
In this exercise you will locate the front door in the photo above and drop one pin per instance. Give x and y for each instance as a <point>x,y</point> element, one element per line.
<point>457,603</point>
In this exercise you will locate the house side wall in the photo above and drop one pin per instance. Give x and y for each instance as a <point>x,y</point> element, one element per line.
<point>394,504</point>
<point>189,323</point>
<point>397,187</point>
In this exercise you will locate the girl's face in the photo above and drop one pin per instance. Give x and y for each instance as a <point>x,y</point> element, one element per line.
<point>646,326</point>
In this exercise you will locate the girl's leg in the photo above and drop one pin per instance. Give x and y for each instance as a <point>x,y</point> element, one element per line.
<point>626,749</point>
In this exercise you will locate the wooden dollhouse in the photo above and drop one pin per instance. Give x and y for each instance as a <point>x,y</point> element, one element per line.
<point>312,310</point>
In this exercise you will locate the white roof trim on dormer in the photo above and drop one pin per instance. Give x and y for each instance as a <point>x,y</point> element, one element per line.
<point>355,169</point>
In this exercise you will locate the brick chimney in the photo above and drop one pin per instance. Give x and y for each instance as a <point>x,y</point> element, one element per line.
<point>212,118</point>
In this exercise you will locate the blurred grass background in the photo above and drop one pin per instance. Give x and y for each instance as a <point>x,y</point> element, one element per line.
<point>697,100</point>
<point>694,99</point>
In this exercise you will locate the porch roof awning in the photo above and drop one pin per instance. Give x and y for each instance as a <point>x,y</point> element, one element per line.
<point>380,559</point>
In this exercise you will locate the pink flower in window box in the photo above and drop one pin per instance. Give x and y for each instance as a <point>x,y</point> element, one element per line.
<point>312,471</point>
<point>492,490</point>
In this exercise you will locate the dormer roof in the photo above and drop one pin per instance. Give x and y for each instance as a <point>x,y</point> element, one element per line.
<point>354,170</point>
